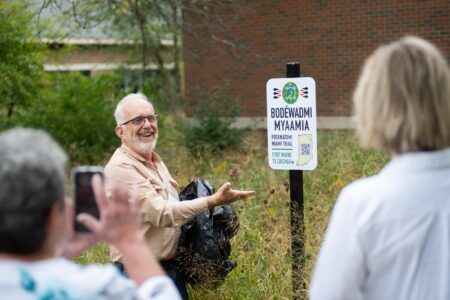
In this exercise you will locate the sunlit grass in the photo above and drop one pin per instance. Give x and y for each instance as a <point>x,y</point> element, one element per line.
<point>262,246</point>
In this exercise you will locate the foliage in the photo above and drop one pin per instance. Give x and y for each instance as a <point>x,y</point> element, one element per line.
<point>78,112</point>
<point>158,93</point>
<point>262,246</point>
<point>152,27</point>
<point>21,74</point>
<point>213,117</point>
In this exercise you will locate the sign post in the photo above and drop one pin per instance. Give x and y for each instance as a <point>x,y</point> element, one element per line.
<point>292,145</point>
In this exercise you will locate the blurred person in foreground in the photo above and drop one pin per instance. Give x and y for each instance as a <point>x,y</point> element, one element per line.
<point>37,238</point>
<point>389,234</point>
<point>135,165</point>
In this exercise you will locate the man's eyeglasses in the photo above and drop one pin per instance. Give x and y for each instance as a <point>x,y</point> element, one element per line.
<point>140,120</point>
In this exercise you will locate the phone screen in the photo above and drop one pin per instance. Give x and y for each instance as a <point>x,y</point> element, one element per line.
<point>84,194</point>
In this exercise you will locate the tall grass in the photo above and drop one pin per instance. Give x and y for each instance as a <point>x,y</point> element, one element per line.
<point>262,247</point>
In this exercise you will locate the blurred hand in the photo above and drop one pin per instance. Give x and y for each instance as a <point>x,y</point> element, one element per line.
<point>119,225</point>
<point>225,195</point>
<point>119,217</point>
<point>75,243</point>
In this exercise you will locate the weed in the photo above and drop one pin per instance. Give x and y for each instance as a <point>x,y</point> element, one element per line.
<point>262,246</point>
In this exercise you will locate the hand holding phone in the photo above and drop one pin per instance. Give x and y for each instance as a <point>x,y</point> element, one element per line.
<point>84,199</point>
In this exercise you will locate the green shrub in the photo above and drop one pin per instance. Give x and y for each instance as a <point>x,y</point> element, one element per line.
<point>21,72</point>
<point>262,246</point>
<point>212,129</point>
<point>78,112</point>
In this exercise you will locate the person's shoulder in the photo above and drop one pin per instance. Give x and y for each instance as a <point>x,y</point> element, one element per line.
<point>159,287</point>
<point>119,161</point>
<point>360,192</point>
<point>58,276</point>
<point>363,185</point>
<point>116,156</point>
<point>77,272</point>
<point>110,284</point>
<point>95,279</point>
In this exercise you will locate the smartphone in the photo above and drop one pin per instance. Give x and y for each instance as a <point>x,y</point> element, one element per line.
<point>83,194</point>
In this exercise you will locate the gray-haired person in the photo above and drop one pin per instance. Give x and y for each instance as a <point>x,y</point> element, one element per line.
<point>135,164</point>
<point>389,234</point>
<point>36,231</point>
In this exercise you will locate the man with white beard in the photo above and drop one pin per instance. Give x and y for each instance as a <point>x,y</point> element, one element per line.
<point>135,165</point>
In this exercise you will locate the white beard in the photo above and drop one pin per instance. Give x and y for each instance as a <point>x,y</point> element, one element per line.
<point>145,147</point>
<point>141,147</point>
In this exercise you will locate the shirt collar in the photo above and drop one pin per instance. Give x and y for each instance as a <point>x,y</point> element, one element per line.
<point>126,149</point>
<point>419,161</point>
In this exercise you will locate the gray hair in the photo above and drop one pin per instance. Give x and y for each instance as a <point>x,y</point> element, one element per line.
<point>402,99</point>
<point>32,180</point>
<point>118,114</point>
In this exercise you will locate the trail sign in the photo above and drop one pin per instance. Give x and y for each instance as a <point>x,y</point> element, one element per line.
<point>292,123</point>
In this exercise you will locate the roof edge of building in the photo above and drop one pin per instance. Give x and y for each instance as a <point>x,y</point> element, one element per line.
<point>101,41</point>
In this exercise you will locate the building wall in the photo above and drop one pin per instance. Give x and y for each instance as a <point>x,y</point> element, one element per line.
<point>91,54</point>
<point>253,41</point>
<point>97,57</point>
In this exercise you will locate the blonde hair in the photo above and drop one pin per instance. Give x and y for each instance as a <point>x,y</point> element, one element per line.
<point>402,99</point>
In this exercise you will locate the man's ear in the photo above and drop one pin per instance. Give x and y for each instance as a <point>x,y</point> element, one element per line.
<point>119,132</point>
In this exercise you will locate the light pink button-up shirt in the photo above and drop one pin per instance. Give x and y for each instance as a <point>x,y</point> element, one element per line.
<point>161,211</point>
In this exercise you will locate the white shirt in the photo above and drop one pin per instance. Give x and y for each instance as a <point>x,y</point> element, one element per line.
<point>389,234</point>
<point>62,279</point>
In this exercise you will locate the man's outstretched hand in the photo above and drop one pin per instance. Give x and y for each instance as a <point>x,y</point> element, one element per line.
<point>225,195</point>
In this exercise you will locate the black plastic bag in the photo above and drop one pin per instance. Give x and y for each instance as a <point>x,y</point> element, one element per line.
<point>204,245</point>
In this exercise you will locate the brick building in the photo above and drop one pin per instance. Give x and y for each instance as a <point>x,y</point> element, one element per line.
<point>254,40</point>
<point>93,55</point>
<point>91,49</point>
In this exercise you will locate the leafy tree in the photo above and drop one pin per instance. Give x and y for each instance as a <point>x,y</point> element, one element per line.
<point>78,112</point>
<point>154,26</point>
<point>21,73</point>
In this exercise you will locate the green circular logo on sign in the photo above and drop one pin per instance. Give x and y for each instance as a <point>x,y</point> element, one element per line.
<point>290,93</point>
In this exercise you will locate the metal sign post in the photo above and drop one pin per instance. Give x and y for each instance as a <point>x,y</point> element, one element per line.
<point>292,145</point>
<point>297,215</point>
